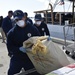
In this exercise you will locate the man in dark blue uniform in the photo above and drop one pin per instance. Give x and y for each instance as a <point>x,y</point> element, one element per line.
<point>28,20</point>
<point>7,23</point>
<point>17,35</point>
<point>2,32</point>
<point>41,26</point>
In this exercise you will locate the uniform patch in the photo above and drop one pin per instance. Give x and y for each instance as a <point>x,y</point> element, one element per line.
<point>29,34</point>
<point>43,29</point>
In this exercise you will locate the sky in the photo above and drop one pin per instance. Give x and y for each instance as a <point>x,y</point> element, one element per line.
<point>28,6</point>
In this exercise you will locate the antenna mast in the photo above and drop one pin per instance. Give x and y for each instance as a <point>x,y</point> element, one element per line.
<point>73,11</point>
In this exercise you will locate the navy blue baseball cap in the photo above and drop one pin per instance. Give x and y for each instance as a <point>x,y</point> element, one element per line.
<point>38,17</point>
<point>18,14</point>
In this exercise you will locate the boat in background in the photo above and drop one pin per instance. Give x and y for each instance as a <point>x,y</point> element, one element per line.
<point>59,12</point>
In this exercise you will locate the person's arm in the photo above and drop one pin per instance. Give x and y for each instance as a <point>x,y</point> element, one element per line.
<point>10,44</point>
<point>46,30</point>
<point>31,21</point>
<point>5,26</point>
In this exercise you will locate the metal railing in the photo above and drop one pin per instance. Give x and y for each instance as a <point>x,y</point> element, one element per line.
<point>64,31</point>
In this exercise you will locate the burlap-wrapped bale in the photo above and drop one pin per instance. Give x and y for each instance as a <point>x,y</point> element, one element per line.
<point>45,55</point>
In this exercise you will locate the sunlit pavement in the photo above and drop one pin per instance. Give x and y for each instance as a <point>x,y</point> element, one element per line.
<point>4,59</point>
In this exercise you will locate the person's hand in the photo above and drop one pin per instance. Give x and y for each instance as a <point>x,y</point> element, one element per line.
<point>22,49</point>
<point>48,39</point>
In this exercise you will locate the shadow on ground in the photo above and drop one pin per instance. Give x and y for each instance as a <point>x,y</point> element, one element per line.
<point>1,65</point>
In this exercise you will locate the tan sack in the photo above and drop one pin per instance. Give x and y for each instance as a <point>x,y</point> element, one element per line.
<point>45,55</point>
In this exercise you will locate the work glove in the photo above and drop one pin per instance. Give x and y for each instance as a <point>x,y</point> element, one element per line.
<point>48,39</point>
<point>22,49</point>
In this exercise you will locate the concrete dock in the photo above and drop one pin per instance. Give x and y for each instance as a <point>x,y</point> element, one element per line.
<point>4,59</point>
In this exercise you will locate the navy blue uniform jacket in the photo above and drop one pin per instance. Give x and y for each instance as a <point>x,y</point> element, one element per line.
<point>28,20</point>
<point>17,36</point>
<point>43,29</point>
<point>6,24</point>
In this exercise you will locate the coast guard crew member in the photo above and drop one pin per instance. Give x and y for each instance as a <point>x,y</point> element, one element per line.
<point>7,23</point>
<point>41,26</point>
<point>28,20</point>
<point>17,35</point>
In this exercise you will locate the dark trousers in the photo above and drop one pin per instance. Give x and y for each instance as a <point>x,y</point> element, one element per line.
<point>17,64</point>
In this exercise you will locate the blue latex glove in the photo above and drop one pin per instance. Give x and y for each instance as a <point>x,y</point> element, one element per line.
<point>48,39</point>
<point>22,49</point>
